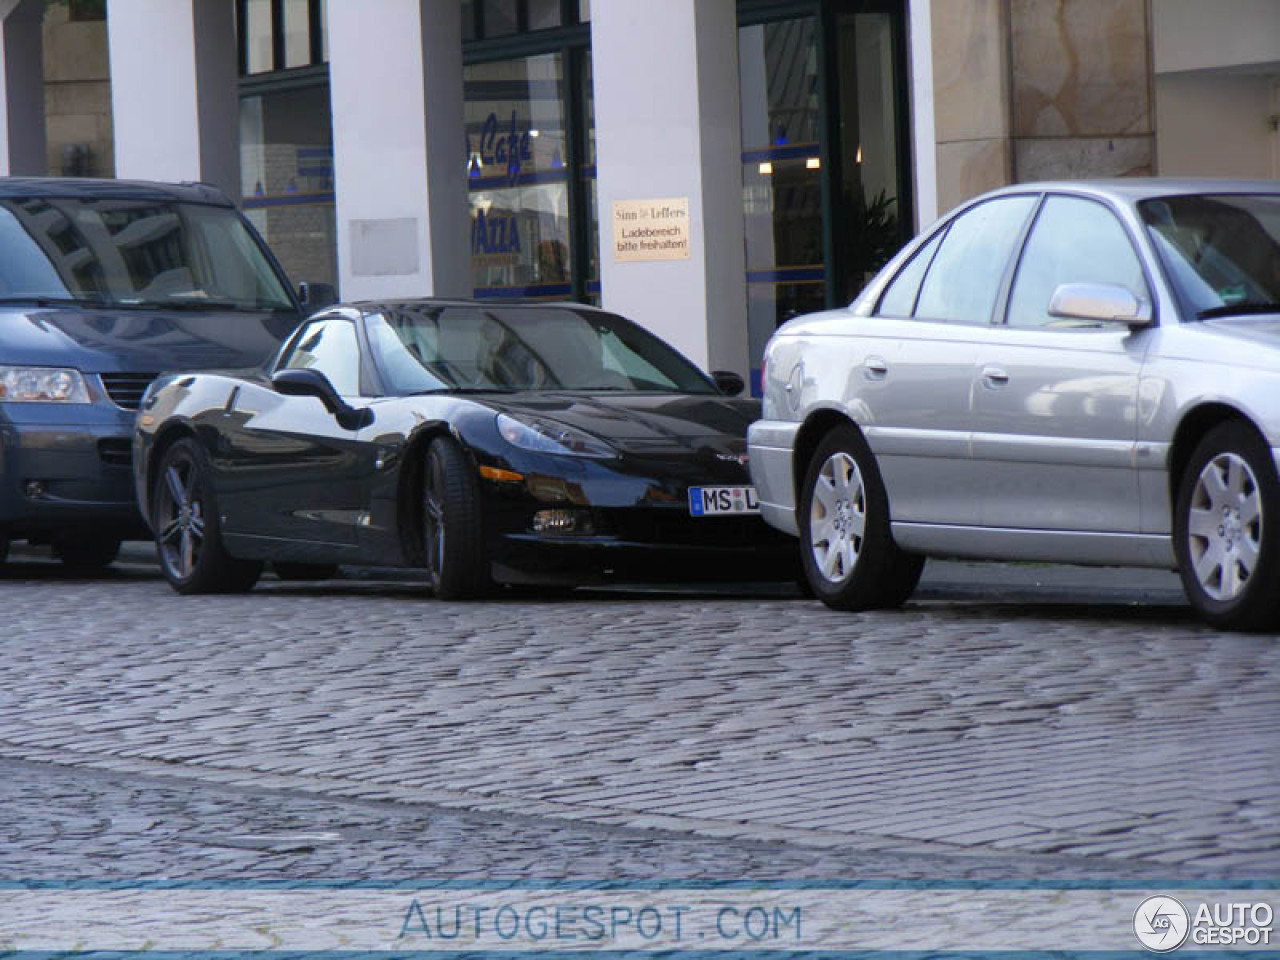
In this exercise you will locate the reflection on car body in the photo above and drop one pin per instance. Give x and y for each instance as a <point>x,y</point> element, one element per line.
<point>1066,372</point>
<point>487,444</point>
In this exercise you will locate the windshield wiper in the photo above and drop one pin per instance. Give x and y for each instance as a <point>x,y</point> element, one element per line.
<point>442,390</point>
<point>1244,308</point>
<point>195,303</point>
<point>41,300</point>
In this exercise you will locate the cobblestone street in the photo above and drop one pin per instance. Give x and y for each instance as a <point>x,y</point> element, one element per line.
<point>1051,723</point>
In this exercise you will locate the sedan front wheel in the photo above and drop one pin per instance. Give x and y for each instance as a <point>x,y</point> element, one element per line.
<point>850,559</point>
<point>1227,530</point>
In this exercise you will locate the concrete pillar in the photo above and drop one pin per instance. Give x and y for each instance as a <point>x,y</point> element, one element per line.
<point>399,148</point>
<point>22,139</point>
<point>174,96</point>
<point>668,128</point>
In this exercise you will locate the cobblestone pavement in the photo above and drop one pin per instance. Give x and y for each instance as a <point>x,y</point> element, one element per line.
<point>956,727</point>
<point>66,824</point>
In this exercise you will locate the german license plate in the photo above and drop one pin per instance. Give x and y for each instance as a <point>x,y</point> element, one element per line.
<point>719,501</point>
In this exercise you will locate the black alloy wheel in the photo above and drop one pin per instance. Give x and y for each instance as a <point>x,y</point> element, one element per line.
<point>184,516</point>
<point>850,559</point>
<point>453,525</point>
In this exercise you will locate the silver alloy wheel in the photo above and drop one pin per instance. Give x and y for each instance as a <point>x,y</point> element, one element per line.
<point>837,517</point>
<point>1224,526</point>
<point>181,511</point>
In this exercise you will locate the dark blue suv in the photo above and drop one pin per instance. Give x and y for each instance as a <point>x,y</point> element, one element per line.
<point>103,285</point>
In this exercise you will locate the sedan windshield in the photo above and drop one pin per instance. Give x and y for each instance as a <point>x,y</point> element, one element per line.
<point>428,348</point>
<point>133,253</point>
<point>1222,252</point>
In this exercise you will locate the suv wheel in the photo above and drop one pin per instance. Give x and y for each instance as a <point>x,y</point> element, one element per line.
<point>89,553</point>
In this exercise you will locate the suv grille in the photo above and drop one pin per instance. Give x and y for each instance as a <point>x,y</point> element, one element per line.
<point>126,389</point>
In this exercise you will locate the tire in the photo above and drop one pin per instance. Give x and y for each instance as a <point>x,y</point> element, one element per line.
<point>92,553</point>
<point>850,559</point>
<point>1226,530</point>
<point>184,516</point>
<point>453,525</point>
<point>305,571</point>
<point>4,548</point>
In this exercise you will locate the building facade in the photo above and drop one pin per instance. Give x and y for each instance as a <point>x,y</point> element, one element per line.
<point>706,167</point>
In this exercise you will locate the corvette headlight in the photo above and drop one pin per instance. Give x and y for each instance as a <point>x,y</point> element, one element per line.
<point>543,437</point>
<point>42,385</point>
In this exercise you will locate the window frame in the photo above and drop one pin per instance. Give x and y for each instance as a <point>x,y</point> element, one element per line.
<point>366,388</point>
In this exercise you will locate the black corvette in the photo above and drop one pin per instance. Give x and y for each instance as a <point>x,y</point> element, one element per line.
<point>526,443</point>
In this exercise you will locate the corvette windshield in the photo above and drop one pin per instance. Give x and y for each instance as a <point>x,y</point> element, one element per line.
<point>1222,252</point>
<point>477,348</point>
<point>133,253</point>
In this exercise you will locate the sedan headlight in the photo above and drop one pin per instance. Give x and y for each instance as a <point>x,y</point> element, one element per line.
<point>42,385</point>
<point>543,437</point>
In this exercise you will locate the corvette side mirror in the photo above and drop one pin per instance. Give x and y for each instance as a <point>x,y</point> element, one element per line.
<point>313,383</point>
<point>729,383</point>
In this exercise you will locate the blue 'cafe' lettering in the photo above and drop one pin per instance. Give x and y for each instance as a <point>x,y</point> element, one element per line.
<point>494,234</point>
<point>513,148</point>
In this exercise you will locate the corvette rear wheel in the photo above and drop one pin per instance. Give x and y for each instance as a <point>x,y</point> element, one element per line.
<point>850,559</point>
<point>184,516</point>
<point>1227,530</point>
<point>453,525</point>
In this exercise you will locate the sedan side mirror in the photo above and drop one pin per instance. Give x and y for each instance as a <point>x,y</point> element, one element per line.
<point>316,296</point>
<point>728,382</point>
<point>313,383</point>
<point>1100,303</point>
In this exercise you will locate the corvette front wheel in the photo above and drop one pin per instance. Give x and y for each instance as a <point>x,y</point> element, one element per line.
<point>184,516</point>
<point>453,525</point>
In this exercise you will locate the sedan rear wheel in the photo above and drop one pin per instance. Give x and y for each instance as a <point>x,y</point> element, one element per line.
<point>850,559</point>
<point>184,516</point>
<point>1227,530</point>
<point>453,525</point>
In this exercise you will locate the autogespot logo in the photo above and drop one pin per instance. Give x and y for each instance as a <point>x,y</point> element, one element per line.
<point>1161,924</point>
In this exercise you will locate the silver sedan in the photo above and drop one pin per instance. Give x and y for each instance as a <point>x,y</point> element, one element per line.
<point>1063,372</point>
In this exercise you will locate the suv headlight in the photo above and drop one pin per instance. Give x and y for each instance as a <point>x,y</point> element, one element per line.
<point>544,437</point>
<point>42,385</point>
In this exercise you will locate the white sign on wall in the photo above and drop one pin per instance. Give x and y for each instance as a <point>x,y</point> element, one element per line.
<point>651,229</point>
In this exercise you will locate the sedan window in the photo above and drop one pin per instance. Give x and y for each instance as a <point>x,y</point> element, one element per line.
<point>330,347</point>
<point>900,299</point>
<point>964,280</point>
<point>1074,240</point>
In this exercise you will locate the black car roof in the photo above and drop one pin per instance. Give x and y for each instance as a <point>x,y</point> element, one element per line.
<point>22,188</point>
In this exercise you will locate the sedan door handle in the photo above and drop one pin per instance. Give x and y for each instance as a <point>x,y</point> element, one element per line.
<point>994,377</point>
<point>875,368</point>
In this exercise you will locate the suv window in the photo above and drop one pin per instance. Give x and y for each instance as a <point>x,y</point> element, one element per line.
<point>1074,240</point>
<point>330,347</point>
<point>964,280</point>
<point>135,253</point>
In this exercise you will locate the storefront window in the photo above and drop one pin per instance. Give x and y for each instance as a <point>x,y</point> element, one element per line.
<point>823,125</point>
<point>517,147</point>
<point>286,169</point>
<point>781,174</point>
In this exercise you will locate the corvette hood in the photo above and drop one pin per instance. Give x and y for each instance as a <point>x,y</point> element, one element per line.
<point>644,423</point>
<point>139,341</point>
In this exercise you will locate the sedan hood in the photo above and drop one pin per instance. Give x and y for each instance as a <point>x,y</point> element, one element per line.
<point>643,423</point>
<point>1263,330</point>
<point>140,341</point>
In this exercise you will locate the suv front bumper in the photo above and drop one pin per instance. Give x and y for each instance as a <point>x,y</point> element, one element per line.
<point>66,467</point>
